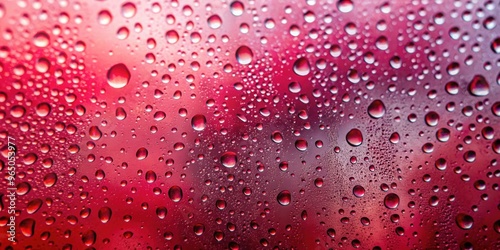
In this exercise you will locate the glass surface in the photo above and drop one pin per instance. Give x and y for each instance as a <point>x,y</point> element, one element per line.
<point>231,124</point>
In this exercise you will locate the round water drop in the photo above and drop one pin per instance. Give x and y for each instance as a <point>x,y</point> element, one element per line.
<point>237,8</point>
<point>94,133</point>
<point>214,22</point>
<point>284,198</point>
<point>229,159</point>
<point>464,221</point>
<point>354,137</point>
<point>302,67</point>
<point>244,55</point>
<point>391,201</point>
<point>104,214</point>
<point>175,193</point>
<point>89,238</point>
<point>141,153</point>
<point>128,10</point>
<point>118,76</point>
<point>199,122</point>
<point>345,6</point>
<point>376,109</point>
<point>41,39</point>
<point>301,145</point>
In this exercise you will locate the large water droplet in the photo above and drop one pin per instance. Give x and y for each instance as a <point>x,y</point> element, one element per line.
<point>128,10</point>
<point>199,122</point>
<point>229,159</point>
<point>33,206</point>
<point>345,6</point>
<point>376,109</point>
<point>479,86</point>
<point>41,39</point>
<point>94,133</point>
<point>27,227</point>
<point>464,221</point>
<point>104,214</point>
<point>89,238</point>
<point>141,153</point>
<point>302,67</point>
<point>284,198</point>
<point>118,76</point>
<point>354,137</point>
<point>391,201</point>
<point>175,193</point>
<point>214,21</point>
<point>244,55</point>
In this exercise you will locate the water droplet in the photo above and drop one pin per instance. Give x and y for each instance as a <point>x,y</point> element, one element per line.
<point>141,153</point>
<point>89,238</point>
<point>229,159</point>
<point>214,22</point>
<point>354,137</point>
<point>391,201</point>
<point>161,212</point>
<point>172,36</point>
<point>43,109</point>
<point>104,17</point>
<point>175,193</point>
<point>104,214</point>
<point>302,67</point>
<point>358,191</point>
<point>244,55</point>
<point>128,10</point>
<point>33,206</point>
<point>150,176</point>
<point>27,227</point>
<point>464,221</point>
<point>237,8</point>
<point>495,45</point>
<point>277,137</point>
<point>443,134</point>
<point>345,6</point>
<point>284,198</point>
<point>330,232</point>
<point>432,119</point>
<point>199,122</point>
<point>118,76</point>
<point>376,109</point>
<point>42,65</point>
<point>301,145</point>
<point>41,39</point>
<point>94,133</point>
<point>199,229</point>
<point>17,111</point>
<point>50,180</point>
<point>479,86</point>
<point>120,114</point>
